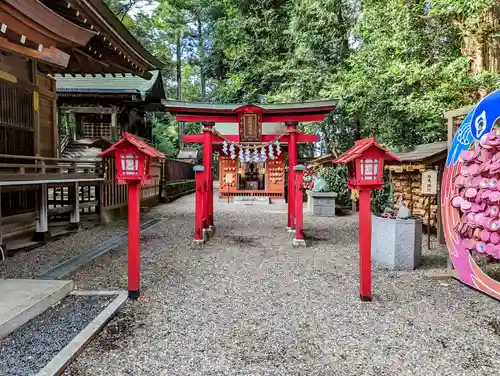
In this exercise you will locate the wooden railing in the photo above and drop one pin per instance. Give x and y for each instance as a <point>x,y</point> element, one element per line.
<point>21,169</point>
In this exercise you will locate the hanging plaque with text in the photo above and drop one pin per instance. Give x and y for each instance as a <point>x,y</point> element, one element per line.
<point>250,128</point>
<point>429,182</point>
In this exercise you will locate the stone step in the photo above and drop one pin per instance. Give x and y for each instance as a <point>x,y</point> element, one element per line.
<point>251,200</point>
<point>23,299</point>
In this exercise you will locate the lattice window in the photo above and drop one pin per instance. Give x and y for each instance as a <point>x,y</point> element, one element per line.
<point>98,127</point>
<point>16,121</point>
<point>16,107</point>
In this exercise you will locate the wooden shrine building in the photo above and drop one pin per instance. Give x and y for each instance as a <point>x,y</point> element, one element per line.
<point>406,177</point>
<point>38,39</point>
<point>252,141</point>
<point>94,108</point>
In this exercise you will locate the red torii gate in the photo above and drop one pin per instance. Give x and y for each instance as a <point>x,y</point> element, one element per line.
<point>248,123</point>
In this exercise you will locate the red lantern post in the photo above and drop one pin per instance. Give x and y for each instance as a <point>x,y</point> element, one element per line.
<point>365,163</point>
<point>133,159</point>
<point>199,233</point>
<point>299,207</point>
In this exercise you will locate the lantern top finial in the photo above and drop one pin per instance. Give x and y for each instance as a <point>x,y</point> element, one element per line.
<point>361,146</point>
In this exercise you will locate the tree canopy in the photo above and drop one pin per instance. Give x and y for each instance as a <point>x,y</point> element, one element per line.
<point>394,66</point>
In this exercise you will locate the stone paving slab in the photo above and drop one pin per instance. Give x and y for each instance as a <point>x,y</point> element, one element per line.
<point>23,299</point>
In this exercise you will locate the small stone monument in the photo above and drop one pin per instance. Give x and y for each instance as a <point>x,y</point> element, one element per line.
<point>321,201</point>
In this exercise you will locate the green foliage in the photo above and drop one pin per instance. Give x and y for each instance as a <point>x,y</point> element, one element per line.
<point>336,177</point>
<point>394,65</point>
<point>165,136</point>
<point>383,198</point>
<point>405,72</point>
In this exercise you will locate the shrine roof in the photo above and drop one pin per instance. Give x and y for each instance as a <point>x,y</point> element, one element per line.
<point>128,84</point>
<point>111,49</point>
<point>184,107</point>
<point>424,152</point>
<point>361,146</point>
<point>138,142</point>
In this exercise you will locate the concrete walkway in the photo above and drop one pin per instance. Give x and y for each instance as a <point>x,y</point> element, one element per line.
<point>23,299</point>
<point>250,304</point>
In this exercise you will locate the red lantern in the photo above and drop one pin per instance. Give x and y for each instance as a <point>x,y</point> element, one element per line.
<point>133,159</point>
<point>365,163</point>
<point>367,171</point>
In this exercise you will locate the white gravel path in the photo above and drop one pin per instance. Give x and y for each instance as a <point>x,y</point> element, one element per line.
<point>250,304</point>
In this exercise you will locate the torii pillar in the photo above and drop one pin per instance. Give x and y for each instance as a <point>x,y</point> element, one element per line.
<point>208,209</point>
<point>292,162</point>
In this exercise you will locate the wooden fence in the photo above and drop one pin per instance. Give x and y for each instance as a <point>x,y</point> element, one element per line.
<point>26,183</point>
<point>114,195</point>
<point>174,170</point>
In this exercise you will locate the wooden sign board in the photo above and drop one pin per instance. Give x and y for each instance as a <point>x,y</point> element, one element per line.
<point>429,182</point>
<point>229,178</point>
<point>250,128</point>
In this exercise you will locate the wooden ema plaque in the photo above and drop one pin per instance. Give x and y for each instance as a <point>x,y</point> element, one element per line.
<point>250,127</point>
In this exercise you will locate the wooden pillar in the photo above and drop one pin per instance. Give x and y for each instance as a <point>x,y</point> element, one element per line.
<point>292,162</point>
<point>3,251</point>
<point>36,108</point>
<point>42,223</point>
<point>439,224</point>
<point>36,123</point>
<point>207,163</point>
<point>114,122</point>
<point>74,193</point>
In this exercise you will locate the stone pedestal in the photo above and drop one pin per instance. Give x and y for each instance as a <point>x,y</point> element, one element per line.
<point>321,204</point>
<point>396,243</point>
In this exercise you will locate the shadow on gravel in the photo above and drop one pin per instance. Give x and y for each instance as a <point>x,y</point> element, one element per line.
<point>434,261</point>
<point>119,329</point>
<point>246,240</point>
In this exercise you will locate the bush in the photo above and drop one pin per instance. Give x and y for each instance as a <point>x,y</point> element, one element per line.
<point>336,177</point>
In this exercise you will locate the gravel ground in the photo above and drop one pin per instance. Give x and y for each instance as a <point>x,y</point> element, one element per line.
<point>31,263</point>
<point>27,350</point>
<point>250,304</point>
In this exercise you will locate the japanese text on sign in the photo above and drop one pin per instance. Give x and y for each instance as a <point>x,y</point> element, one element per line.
<point>250,128</point>
<point>429,182</point>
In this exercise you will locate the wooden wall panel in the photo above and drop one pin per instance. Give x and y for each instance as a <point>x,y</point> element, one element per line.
<point>47,147</point>
<point>47,116</point>
<point>19,67</point>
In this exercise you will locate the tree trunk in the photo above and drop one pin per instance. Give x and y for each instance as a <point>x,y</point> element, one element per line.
<point>201,52</point>
<point>179,84</point>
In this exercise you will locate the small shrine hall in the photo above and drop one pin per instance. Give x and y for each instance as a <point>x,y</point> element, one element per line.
<point>252,141</point>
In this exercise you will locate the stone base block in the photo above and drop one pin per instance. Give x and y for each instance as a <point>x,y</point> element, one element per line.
<point>296,243</point>
<point>197,244</point>
<point>321,204</point>
<point>396,243</point>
